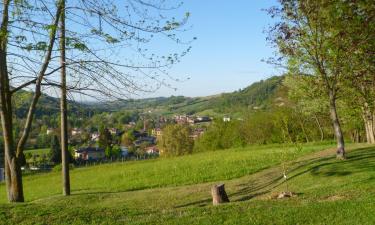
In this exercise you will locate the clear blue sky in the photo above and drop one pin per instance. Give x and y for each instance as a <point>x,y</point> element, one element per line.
<point>228,52</point>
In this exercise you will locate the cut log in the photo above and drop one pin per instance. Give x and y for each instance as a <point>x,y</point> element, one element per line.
<point>218,194</point>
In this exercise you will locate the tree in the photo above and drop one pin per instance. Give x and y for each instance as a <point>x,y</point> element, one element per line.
<point>96,32</point>
<point>13,13</point>
<point>356,25</point>
<point>55,150</point>
<point>105,138</point>
<point>308,40</point>
<point>128,138</point>
<point>176,140</point>
<point>64,108</point>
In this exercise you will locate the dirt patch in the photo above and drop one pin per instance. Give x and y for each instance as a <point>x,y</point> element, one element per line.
<point>333,198</point>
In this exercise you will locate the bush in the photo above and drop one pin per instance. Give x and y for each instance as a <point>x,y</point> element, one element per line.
<point>58,167</point>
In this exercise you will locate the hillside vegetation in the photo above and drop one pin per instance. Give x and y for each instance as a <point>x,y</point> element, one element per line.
<point>340,192</point>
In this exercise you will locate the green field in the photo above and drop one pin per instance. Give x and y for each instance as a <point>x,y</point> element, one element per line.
<point>176,190</point>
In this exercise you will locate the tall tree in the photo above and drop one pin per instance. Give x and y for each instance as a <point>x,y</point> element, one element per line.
<point>14,13</point>
<point>309,41</point>
<point>64,109</point>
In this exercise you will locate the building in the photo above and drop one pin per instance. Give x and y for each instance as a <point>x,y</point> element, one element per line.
<point>113,131</point>
<point>152,150</point>
<point>226,118</point>
<point>147,139</point>
<point>95,136</point>
<point>50,131</point>
<point>197,132</point>
<point>89,153</point>
<point>157,132</point>
<point>76,131</point>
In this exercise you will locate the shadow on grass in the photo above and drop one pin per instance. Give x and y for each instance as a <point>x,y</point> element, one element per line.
<point>360,160</point>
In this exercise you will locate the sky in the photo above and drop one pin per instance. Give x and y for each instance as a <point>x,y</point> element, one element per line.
<point>229,49</point>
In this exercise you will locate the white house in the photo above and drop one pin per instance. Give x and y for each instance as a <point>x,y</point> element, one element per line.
<point>76,131</point>
<point>95,136</point>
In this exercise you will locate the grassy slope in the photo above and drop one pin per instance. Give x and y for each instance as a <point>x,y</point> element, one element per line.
<point>330,192</point>
<point>192,169</point>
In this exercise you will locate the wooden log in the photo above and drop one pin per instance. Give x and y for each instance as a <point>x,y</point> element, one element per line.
<point>218,194</point>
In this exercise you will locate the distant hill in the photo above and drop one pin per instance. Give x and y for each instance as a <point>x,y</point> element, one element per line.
<point>259,95</point>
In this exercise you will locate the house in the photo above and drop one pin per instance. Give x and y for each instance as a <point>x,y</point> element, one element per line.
<point>113,131</point>
<point>95,136</point>
<point>226,118</point>
<point>2,174</point>
<point>152,150</point>
<point>50,131</point>
<point>145,139</point>
<point>76,131</point>
<point>197,132</point>
<point>89,153</point>
<point>157,132</point>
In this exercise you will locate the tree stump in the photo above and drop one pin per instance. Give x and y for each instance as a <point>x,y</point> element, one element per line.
<point>218,194</point>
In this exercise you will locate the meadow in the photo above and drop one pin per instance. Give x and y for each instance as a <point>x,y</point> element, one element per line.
<point>176,190</point>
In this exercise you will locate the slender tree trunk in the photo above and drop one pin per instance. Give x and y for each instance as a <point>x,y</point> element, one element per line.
<point>340,153</point>
<point>304,131</point>
<point>368,119</point>
<point>63,110</point>
<point>320,128</point>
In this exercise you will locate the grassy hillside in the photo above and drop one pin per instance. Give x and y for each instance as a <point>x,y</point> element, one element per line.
<point>328,192</point>
<point>191,169</point>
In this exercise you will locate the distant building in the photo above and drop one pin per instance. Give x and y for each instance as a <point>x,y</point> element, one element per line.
<point>157,132</point>
<point>76,131</point>
<point>89,153</point>
<point>197,133</point>
<point>95,136</point>
<point>113,131</point>
<point>145,139</point>
<point>152,150</point>
<point>50,131</point>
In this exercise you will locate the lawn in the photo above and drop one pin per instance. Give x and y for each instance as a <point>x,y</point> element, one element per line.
<point>191,169</point>
<point>176,191</point>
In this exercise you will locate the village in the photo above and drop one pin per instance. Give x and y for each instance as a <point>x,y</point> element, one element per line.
<point>86,148</point>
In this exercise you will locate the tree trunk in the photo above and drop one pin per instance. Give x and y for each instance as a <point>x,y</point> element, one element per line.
<point>218,194</point>
<point>320,128</point>
<point>12,169</point>
<point>368,119</point>
<point>340,153</point>
<point>63,110</point>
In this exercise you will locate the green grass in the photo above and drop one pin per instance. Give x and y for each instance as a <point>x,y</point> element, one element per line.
<point>39,151</point>
<point>191,169</point>
<point>329,191</point>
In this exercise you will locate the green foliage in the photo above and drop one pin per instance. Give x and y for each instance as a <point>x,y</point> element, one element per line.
<point>220,135</point>
<point>176,140</point>
<point>58,167</point>
<point>105,138</point>
<point>128,138</point>
<point>55,150</point>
